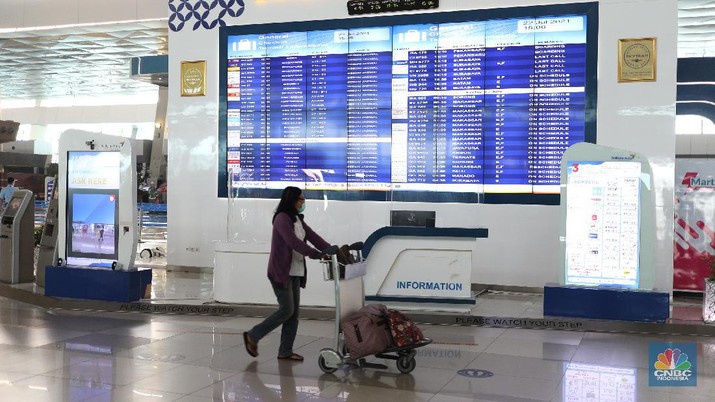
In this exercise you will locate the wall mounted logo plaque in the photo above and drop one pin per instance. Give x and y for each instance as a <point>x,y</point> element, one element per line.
<point>193,78</point>
<point>636,60</point>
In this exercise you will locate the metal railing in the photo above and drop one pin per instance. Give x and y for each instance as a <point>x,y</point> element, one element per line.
<point>40,212</point>
<point>152,221</point>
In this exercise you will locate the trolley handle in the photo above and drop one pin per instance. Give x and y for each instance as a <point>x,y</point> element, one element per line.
<point>357,246</point>
<point>332,250</point>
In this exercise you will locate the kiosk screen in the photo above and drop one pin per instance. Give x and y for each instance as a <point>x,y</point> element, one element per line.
<point>92,224</point>
<point>13,206</point>
<point>92,207</point>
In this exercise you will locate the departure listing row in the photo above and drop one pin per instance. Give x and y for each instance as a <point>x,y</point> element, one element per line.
<point>475,106</point>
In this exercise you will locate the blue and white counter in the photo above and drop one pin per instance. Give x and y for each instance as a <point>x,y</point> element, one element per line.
<point>421,265</point>
<point>411,265</point>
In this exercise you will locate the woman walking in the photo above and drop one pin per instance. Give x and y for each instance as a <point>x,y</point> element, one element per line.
<point>286,272</point>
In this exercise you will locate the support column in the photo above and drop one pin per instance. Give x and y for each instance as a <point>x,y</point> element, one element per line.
<point>157,164</point>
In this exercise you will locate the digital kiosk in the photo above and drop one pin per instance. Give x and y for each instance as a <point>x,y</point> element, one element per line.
<point>97,234</point>
<point>608,238</point>
<point>17,238</point>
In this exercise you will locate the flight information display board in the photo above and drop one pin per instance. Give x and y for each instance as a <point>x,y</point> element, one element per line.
<point>481,105</point>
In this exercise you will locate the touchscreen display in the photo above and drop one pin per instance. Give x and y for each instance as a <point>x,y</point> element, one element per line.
<point>92,207</point>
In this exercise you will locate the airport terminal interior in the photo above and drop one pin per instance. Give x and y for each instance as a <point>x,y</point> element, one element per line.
<point>170,345</point>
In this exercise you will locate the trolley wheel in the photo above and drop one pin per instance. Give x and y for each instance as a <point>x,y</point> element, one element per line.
<point>324,367</point>
<point>146,254</point>
<point>406,364</point>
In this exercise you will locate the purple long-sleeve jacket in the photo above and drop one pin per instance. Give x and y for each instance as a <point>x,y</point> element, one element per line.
<point>284,241</point>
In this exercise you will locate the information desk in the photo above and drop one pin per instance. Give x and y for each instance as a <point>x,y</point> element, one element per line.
<point>421,265</point>
<point>240,276</point>
<point>406,264</point>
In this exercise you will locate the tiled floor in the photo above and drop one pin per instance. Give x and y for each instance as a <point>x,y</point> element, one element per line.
<point>52,355</point>
<point>58,355</point>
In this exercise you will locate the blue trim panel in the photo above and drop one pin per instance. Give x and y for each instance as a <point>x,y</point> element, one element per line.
<point>96,284</point>
<point>696,69</point>
<point>403,299</point>
<point>606,303</point>
<point>150,65</point>
<point>422,232</point>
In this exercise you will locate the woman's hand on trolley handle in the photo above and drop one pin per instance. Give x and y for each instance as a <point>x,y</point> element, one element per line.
<point>325,254</point>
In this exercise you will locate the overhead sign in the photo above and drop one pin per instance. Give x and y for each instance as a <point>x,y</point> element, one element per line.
<point>356,7</point>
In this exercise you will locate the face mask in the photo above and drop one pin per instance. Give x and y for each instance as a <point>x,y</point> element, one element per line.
<point>301,209</point>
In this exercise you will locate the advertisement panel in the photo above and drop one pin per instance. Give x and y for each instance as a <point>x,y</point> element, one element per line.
<point>694,237</point>
<point>603,223</point>
<point>92,207</point>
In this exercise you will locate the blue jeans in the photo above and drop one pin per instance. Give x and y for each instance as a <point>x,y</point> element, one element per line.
<point>287,315</point>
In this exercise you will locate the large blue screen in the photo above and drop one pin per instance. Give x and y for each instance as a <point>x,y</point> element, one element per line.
<point>474,106</point>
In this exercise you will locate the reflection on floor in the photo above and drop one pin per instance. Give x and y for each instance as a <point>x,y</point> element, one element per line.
<point>56,355</point>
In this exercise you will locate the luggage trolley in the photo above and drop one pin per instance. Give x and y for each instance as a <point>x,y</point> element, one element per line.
<point>349,298</point>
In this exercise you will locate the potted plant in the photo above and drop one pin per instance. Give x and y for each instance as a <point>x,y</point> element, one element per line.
<point>709,292</point>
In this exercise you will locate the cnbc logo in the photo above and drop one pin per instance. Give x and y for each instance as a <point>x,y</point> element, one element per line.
<point>673,365</point>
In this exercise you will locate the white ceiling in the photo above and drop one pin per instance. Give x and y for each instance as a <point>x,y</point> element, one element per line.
<point>92,61</point>
<point>77,61</point>
<point>696,28</point>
